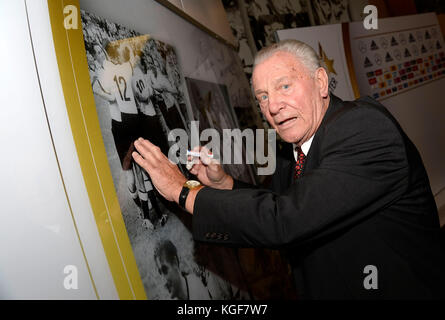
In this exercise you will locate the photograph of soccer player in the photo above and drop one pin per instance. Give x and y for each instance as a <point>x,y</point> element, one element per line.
<point>114,75</point>
<point>139,92</point>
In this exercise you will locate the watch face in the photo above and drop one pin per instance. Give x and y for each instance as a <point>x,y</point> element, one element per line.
<point>192,184</point>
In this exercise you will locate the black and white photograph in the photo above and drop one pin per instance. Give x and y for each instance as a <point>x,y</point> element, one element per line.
<point>265,17</point>
<point>240,34</point>
<point>138,92</point>
<point>218,63</point>
<point>330,11</point>
<point>211,107</point>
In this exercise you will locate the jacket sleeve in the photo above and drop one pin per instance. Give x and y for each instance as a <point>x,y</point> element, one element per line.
<point>237,184</point>
<point>363,168</point>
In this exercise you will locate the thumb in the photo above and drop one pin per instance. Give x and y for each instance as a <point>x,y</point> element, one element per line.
<point>212,164</point>
<point>207,158</point>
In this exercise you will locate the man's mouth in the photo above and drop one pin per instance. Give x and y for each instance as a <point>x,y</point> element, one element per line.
<point>287,122</point>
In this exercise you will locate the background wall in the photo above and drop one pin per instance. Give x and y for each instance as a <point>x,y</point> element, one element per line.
<point>45,214</point>
<point>209,13</point>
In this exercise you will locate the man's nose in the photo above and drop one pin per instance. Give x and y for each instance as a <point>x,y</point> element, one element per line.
<point>275,103</point>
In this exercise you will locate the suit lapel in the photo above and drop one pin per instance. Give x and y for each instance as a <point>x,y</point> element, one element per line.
<point>290,170</point>
<point>313,157</point>
<point>284,157</point>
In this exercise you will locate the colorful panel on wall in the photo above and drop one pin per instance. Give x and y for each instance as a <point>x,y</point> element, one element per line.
<point>396,58</point>
<point>400,60</point>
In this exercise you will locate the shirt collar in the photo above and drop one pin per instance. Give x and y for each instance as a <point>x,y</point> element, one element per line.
<point>304,147</point>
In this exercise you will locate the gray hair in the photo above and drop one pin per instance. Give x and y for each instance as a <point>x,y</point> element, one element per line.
<point>304,53</point>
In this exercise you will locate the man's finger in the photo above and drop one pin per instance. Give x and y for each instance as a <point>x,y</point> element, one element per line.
<point>204,158</point>
<point>195,169</point>
<point>141,147</point>
<point>147,149</point>
<point>141,161</point>
<point>207,160</point>
<point>197,149</point>
<point>146,155</point>
<point>146,143</point>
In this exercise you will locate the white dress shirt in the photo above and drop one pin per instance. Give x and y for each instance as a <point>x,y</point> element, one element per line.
<point>304,147</point>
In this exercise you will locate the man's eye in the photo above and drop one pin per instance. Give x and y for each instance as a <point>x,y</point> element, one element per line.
<point>263,97</point>
<point>285,86</point>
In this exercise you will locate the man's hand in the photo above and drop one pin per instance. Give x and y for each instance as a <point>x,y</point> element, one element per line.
<point>165,175</point>
<point>210,172</point>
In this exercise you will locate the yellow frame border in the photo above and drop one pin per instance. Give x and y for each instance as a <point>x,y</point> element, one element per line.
<point>80,105</point>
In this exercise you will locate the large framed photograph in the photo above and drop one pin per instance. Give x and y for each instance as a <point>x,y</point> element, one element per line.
<point>138,92</point>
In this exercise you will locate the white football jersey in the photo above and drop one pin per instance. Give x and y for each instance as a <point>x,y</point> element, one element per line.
<point>140,86</point>
<point>117,80</point>
<point>143,91</point>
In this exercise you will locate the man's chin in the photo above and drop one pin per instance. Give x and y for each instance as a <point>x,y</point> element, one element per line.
<point>289,138</point>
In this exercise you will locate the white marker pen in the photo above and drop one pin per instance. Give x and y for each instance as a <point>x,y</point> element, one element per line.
<point>197,154</point>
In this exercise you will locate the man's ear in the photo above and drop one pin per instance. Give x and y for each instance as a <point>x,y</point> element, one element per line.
<point>322,79</point>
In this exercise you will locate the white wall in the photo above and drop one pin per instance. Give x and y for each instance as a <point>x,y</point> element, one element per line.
<point>210,13</point>
<point>421,114</point>
<point>39,231</point>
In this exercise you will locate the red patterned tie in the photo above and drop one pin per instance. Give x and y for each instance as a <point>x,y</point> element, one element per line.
<point>299,163</point>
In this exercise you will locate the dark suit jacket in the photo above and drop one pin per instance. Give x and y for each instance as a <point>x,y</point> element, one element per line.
<point>364,199</point>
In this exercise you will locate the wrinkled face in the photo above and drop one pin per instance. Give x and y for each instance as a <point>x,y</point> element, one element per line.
<point>292,100</point>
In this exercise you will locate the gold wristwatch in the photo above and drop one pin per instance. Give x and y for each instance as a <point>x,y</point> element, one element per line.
<point>186,187</point>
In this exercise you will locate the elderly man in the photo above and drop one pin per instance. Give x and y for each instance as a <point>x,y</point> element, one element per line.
<point>352,206</point>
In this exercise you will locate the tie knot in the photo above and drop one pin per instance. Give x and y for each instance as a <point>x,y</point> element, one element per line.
<point>299,152</point>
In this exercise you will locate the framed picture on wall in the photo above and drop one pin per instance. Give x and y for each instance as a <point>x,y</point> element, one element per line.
<point>129,85</point>
<point>211,107</point>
